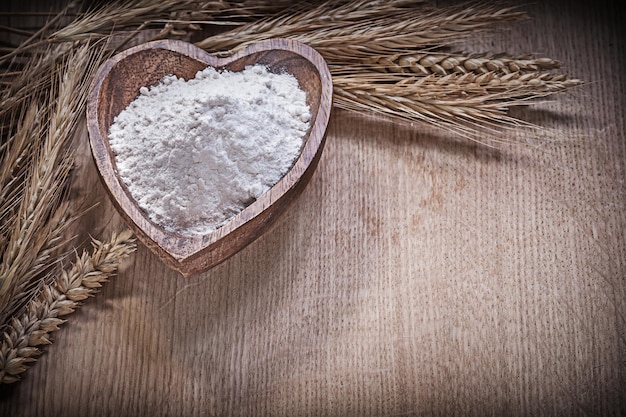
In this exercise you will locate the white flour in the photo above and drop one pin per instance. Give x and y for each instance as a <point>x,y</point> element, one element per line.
<point>194,154</point>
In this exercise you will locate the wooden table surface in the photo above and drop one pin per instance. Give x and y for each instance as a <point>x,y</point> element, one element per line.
<point>418,274</point>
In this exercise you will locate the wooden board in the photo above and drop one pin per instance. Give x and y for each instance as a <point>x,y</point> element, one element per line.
<point>417,274</point>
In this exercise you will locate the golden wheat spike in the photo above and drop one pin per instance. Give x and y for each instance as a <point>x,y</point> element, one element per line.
<point>25,334</point>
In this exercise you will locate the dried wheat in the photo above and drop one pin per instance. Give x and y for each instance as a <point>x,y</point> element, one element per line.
<point>34,213</point>
<point>467,93</point>
<point>21,340</point>
<point>386,29</point>
<point>428,63</point>
<point>179,13</point>
<point>467,104</point>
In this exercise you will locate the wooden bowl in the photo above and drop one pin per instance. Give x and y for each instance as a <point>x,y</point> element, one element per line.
<point>117,83</point>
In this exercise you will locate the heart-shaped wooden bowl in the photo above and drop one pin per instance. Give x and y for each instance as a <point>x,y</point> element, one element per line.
<point>117,83</point>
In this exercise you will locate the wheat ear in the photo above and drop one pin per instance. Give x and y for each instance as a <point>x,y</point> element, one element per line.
<point>429,63</point>
<point>21,342</point>
<point>467,104</point>
<point>388,28</point>
<point>35,212</point>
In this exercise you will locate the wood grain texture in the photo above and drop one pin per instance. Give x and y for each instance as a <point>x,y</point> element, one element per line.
<point>417,275</point>
<point>117,84</point>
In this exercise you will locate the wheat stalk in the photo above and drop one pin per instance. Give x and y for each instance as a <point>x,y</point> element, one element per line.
<point>302,21</point>
<point>389,28</point>
<point>36,39</point>
<point>473,88</point>
<point>34,212</point>
<point>21,342</point>
<point>464,103</point>
<point>172,15</point>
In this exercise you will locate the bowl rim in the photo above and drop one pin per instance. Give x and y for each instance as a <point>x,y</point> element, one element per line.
<point>193,254</point>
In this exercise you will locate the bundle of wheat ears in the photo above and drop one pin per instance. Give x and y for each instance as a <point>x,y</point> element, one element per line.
<point>395,58</point>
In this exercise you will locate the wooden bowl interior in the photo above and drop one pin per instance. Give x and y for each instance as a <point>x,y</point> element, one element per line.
<point>147,67</point>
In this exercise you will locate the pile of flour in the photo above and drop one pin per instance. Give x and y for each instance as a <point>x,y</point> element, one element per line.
<point>195,153</point>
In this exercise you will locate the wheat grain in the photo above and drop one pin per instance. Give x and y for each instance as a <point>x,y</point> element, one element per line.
<point>21,341</point>
<point>428,63</point>
<point>467,86</point>
<point>34,213</point>
<point>13,167</point>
